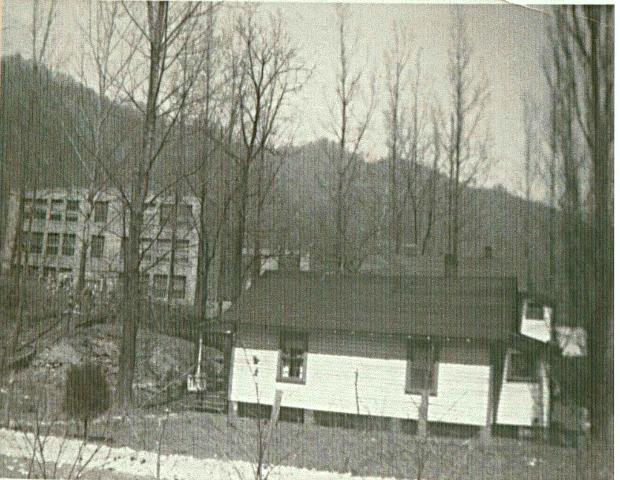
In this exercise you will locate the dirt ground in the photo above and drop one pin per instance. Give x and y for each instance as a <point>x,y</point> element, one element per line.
<point>161,360</point>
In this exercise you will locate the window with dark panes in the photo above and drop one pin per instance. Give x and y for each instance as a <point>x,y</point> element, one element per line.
<point>535,311</point>
<point>53,242</point>
<point>160,285</point>
<point>522,367</point>
<point>184,214</point>
<point>34,241</point>
<point>144,283</point>
<point>40,209</point>
<point>178,287</point>
<point>100,212</point>
<point>56,210</point>
<point>165,212</point>
<point>68,244</point>
<point>163,249</point>
<point>73,209</point>
<point>181,251</point>
<point>422,366</point>
<point>293,354</point>
<point>97,243</point>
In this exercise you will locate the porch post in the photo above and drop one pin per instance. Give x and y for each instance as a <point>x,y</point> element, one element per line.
<point>485,431</point>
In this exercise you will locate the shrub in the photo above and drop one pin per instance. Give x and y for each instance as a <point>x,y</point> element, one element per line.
<point>86,393</point>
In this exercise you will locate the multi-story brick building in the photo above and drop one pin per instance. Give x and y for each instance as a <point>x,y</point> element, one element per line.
<point>64,231</point>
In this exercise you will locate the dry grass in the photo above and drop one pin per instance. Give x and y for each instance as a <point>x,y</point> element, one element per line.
<point>381,453</point>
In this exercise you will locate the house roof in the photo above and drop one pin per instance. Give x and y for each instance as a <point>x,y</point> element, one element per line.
<point>434,265</point>
<point>462,307</point>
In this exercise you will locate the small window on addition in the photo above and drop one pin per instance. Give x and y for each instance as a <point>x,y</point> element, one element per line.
<point>422,366</point>
<point>534,311</point>
<point>522,368</point>
<point>293,357</point>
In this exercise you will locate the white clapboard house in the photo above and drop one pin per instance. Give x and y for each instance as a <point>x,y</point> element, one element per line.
<point>361,345</point>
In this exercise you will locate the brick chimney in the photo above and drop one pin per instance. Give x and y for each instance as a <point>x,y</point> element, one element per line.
<point>450,265</point>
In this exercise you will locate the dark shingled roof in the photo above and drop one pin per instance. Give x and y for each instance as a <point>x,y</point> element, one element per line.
<point>463,307</point>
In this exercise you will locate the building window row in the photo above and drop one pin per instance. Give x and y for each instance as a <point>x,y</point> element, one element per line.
<point>54,244</point>
<point>155,251</point>
<point>33,242</point>
<point>56,210</point>
<point>422,363</point>
<point>160,286</point>
<point>184,214</point>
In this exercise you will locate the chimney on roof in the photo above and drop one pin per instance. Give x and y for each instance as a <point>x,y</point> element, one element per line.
<point>488,252</point>
<point>450,265</point>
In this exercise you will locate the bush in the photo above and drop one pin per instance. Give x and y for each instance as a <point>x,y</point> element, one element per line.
<point>86,392</point>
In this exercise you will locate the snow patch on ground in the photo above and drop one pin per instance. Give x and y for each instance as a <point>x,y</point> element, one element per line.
<point>172,467</point>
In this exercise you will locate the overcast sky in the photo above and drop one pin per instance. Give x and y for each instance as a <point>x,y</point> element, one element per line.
<point>508,43</point>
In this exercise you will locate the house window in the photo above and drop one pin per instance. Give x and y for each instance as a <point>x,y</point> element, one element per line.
<point>40,209</point>
<point>53,242</point>
<point>101,212</point>
<point>522,368</point>
<point>184,213</point>
<point>34,241</point>
<point>534,311</point>
<point>165,212</point>
<point>293,355</point>
<point>178,287</point>
<point>56,210</point>
<point>422,367</point>
<point>49,273</point>
<point>73,207</point>
<point>144,283</point>
<point>181,251</point>
<point>163,249</point>
<point>68,244</point>
<point>96,246</point>
<point>160,285</point>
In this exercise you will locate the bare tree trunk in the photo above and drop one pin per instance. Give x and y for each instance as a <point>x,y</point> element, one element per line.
<point>173,242</point>
<point>528,130</point>
<point>432,199</point>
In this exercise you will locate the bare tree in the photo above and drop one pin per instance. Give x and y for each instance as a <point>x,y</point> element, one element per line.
<point>466,149</point>
<point>396,63</point>
<point>431,184</point>
<point>41,29</point>
<point>584,59</point>
<point>349,127</point>
<point>92,137</point>
<point>163,34</point>
<point>270,72</point>
<point>202,188</point>
<point>529,138</point>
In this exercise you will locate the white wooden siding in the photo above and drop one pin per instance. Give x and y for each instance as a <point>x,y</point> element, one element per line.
<point>462,389</point>
<point>523,403</point>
